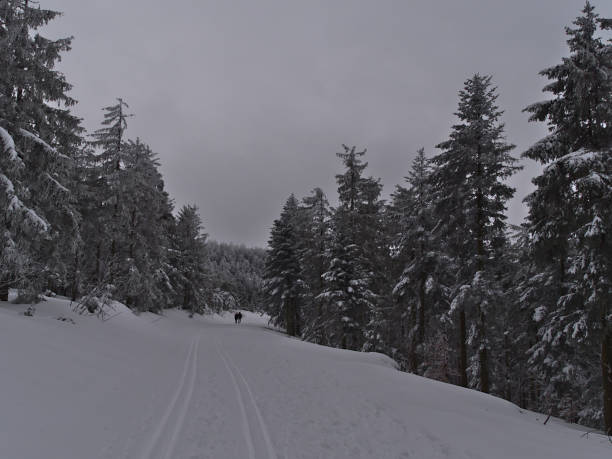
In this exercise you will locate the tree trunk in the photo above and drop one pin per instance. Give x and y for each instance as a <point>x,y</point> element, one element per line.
<point>606,369</point>
<point>508,388</point>
<point>413,358</point>
<point>422,310</point>
<point>4,288</point>
<point>98,261</point>
<point>298,324</point>
<point>462,350</point>
<point>482,354</point>
<point>290,318</point>
<point>74,291</point>
<point>186,297</point>
<point>484,370</point>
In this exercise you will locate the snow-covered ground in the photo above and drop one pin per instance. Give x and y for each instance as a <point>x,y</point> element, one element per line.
<point>173,387</point>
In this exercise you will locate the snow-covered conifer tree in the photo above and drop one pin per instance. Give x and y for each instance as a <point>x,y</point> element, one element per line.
<point>471,196</point>
<point>349,279</point>
<point>283,282</point>
<point>111,160</point>
<point>146,211</point>
<point>416,288</point>
<point>188,260</point>
<point>569,219</point>
<point>38,137</point>
<point>313,260</point>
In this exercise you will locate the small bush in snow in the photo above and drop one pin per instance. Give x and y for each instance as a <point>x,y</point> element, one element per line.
<point>66,319</point>
<point>28,297</point>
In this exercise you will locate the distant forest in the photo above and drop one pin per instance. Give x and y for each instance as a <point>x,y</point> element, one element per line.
<point>437,279</point>
<point>235,276</point>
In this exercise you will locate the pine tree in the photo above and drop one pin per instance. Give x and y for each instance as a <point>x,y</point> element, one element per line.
<point>471,195</point>
<point>189,260</point>
<point>400,314</point>
<point>349,279</point>
<point>283,281</point>
<point>39,136</point>
<point>111,160</point>
<point>569,216</point>
<point>145,214</point>
<point>313,261</point>
<point>417,287</point>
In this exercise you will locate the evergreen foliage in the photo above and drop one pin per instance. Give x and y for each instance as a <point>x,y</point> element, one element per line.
<point>349,279</point>
<point>469,189</point>
<point>235,276</point>
<point>38,137</point>
<point>569,217</point>
<point>315,221</point>
<point>283,271</point>
<point>188,260</point>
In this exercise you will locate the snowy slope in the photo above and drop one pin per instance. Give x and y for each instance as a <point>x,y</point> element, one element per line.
<point>144,387</point>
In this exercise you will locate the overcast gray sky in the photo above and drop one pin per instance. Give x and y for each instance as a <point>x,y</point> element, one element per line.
<point>248,101</point>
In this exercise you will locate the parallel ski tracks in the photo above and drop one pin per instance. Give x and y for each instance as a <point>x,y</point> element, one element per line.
<point>237,377</point>
<point>163,441</point>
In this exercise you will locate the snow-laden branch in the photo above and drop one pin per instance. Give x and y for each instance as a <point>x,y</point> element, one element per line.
<point>43,144</point>
<point>16,205</point>
<point>56,183</point>
<point>9,146</point>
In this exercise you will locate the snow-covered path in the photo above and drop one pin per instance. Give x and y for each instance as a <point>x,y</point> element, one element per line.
<point>143,387</point>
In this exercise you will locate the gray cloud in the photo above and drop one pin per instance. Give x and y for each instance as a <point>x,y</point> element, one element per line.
<point>246,102</point>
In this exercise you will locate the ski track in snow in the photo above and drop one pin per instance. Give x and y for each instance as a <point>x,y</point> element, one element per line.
<point>262,424</point>
<point>161,431</point>
<point>246,429</point>
<point>234,370</point>
<point>186,402</point>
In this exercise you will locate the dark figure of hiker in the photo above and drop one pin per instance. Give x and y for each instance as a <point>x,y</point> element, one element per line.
<point>238,317</point>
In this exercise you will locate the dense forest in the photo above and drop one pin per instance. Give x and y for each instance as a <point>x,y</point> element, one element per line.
<point>87,215</point>
<point>437,279</point>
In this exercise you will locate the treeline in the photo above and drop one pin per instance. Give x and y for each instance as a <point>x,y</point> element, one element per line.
<point>87,216</point>
<point>235,276</point>
<point>438,280</point>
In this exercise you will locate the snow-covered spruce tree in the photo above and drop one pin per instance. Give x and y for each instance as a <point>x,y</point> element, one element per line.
<point>146,212</point>
<point>417,287</point>
<point>111,159</point>
<point>283,282</point>
<point>375,242</point>
<point>528,291</point>
<point>39,135</point>
<point>570,217</point>
<point>188,260</point>
<point>85,182</point>
<point>470,193</point>
<point>399,310</point>
<point>349,279</point>
<point>314,245</point>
